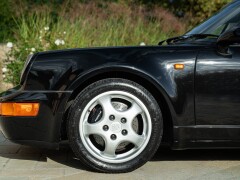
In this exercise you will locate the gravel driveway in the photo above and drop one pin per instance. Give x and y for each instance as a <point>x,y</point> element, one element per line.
<point>21,162</point>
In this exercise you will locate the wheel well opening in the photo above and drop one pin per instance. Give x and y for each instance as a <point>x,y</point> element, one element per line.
<point>167,119</point>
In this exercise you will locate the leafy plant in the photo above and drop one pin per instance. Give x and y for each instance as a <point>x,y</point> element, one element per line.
<point>194,11</point>
<point>93,27</point>
<point>6,20</point>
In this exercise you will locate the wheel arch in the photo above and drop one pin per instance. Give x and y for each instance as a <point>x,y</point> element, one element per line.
<point>128,73</point>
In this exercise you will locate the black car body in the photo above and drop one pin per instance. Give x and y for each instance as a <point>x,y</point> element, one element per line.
<point>200,102</point>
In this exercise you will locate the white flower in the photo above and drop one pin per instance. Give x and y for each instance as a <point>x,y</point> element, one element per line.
<point>64,32</point>
<point>4,76</point>
<point>9,44</point>
<point>142,44</point>
<point>46,28</point>
<point>40,37</point>
<point>41,32</point>
<point>33,49</point>
<point>31,53</point>
<point>26,49</point>
<point>58,42</point>
<point>4,70</point>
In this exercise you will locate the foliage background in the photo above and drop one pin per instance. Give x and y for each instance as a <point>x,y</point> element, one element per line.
<point>191,12</point>
<point>39,25</point>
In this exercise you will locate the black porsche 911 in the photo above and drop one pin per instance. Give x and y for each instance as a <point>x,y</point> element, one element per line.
<point>116,105</point>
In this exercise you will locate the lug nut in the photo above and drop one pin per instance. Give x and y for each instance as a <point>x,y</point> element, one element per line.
<point>124,132</point>
<point>105,128</point>
<point>123,120</point>
<point>113,137</point>
<point>111,117</point>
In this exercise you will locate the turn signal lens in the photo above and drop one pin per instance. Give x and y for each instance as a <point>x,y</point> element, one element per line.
<point>179,66</point>
<point>19,109</point>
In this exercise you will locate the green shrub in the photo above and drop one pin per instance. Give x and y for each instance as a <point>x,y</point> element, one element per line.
<point>86,26</point>
<point>202,9</point>
<point>195,11</point>
<point>7,23</point>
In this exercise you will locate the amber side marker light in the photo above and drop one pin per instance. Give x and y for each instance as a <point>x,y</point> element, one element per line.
<point>179,66</point>
<point>19,109</point>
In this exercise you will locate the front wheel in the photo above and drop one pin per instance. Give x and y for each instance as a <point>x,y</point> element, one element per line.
<point>115,125</point>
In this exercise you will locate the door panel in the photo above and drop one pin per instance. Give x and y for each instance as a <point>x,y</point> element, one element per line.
<point>217,88</point>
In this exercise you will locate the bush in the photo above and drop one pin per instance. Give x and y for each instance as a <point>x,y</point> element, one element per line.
<point>7,22</point>
<point>202,9</point>
<point>194,11</point>
<point>87,25</point>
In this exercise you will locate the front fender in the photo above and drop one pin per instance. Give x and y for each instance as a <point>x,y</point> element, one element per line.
<point>66,71</point>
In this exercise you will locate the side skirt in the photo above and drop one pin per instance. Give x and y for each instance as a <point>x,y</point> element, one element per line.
<point>206,137</point>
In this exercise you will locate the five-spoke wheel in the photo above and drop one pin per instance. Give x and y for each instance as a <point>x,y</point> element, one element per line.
<point>115,125</point>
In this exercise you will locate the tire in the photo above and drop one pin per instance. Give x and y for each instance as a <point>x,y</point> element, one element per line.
<point>114,126</point>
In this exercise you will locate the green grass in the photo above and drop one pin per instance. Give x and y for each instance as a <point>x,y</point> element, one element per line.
<point>110,32</point>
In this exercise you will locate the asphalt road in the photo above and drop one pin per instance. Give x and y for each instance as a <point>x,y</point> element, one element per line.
<point>21,162</point>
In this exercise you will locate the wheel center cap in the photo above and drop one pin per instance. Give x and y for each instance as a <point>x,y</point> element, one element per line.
<point>116,127</point>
